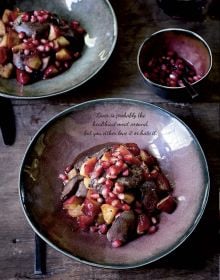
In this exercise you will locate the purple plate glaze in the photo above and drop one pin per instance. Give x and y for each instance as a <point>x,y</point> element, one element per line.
<point>93,123</point>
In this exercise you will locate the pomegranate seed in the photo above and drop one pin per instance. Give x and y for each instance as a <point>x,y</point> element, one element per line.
<point>116,203</point>
<point>116,154</point>
<point>42,18</point>
<point>126,207</point>
<point>152,229</point>
<point>97,171</point>
<point>68,168</point>
<point>57,63</point>
<point>94,195</point>
<point>121,196</point>
<point>119,188</point>
<point>26,52</point>
<point>125,173</point>
<point>153,220</point>
<point>105,164</point>
<point>25,17</point>
<point>105,192</point>
<point>173,76</point>
<point>100,200</point>
<point>103,229</point>
<point>101,180</point>
<point>33,19</point>
<point>63,177</point>
<point>41,48</point>
<point>35,42</point>
<point>109,183</point>
<point>43,41</point>
<point>180,83</point>
<point>117,243</point>
<point>47,48</point>
<point>113,170</point>
<point>108,176</point>
<point>66,64</point>
<point>108,200</point>
<point>51,44</point>
<point>112,195</point>
<point>119,163</point>
<point>196,78</point>
<point>113,160</point>
<point>21,35</point>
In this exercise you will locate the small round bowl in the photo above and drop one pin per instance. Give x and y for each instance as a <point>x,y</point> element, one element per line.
<point>80,128</point>
<point>97,18</point>
<point>187,45</point>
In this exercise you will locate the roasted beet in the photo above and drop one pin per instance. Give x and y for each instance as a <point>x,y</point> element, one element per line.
<point>123,227</point>
<point>71,186</point>
<point>149,196</point>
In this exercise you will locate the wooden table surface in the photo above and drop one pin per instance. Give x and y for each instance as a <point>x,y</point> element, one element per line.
<point>198,257</point>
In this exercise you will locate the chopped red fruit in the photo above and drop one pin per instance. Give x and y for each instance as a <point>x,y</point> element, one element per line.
<point>168,204</point>
<point>23,77</point>
<point>85,222</point>
<point>4,55</point>
<point>90,207</point>
<point>143,224</point>
<point>117,243</point>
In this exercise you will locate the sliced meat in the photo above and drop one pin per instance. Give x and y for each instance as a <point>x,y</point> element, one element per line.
<point>135,178</point>
<point>123,227</point>
<point>149,196</point>
<point>97,186</point>
<point>18,60</point>
<point>162,183</point>
<point>29,28</point>
<point>82,190</point>
<point>71,186</point>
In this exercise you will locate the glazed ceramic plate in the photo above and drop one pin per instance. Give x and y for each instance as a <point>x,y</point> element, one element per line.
<point>99,20</point>
<point>94,123</point>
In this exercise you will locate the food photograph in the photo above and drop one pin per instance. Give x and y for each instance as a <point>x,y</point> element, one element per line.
<point>110,124</point>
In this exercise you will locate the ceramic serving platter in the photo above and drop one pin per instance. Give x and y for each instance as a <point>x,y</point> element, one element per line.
<point>93,123</point>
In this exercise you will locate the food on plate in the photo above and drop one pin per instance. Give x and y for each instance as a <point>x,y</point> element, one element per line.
<point>36,45</point>
<point>169,69</point>
<point>119,190</point>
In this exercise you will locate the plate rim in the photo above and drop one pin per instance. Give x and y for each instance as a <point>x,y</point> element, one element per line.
<point>115,36</point>
<point>166,251</point>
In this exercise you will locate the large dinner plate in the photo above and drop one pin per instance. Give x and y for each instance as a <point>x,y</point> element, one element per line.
<point>98,19</point>
<point>113,120</point>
